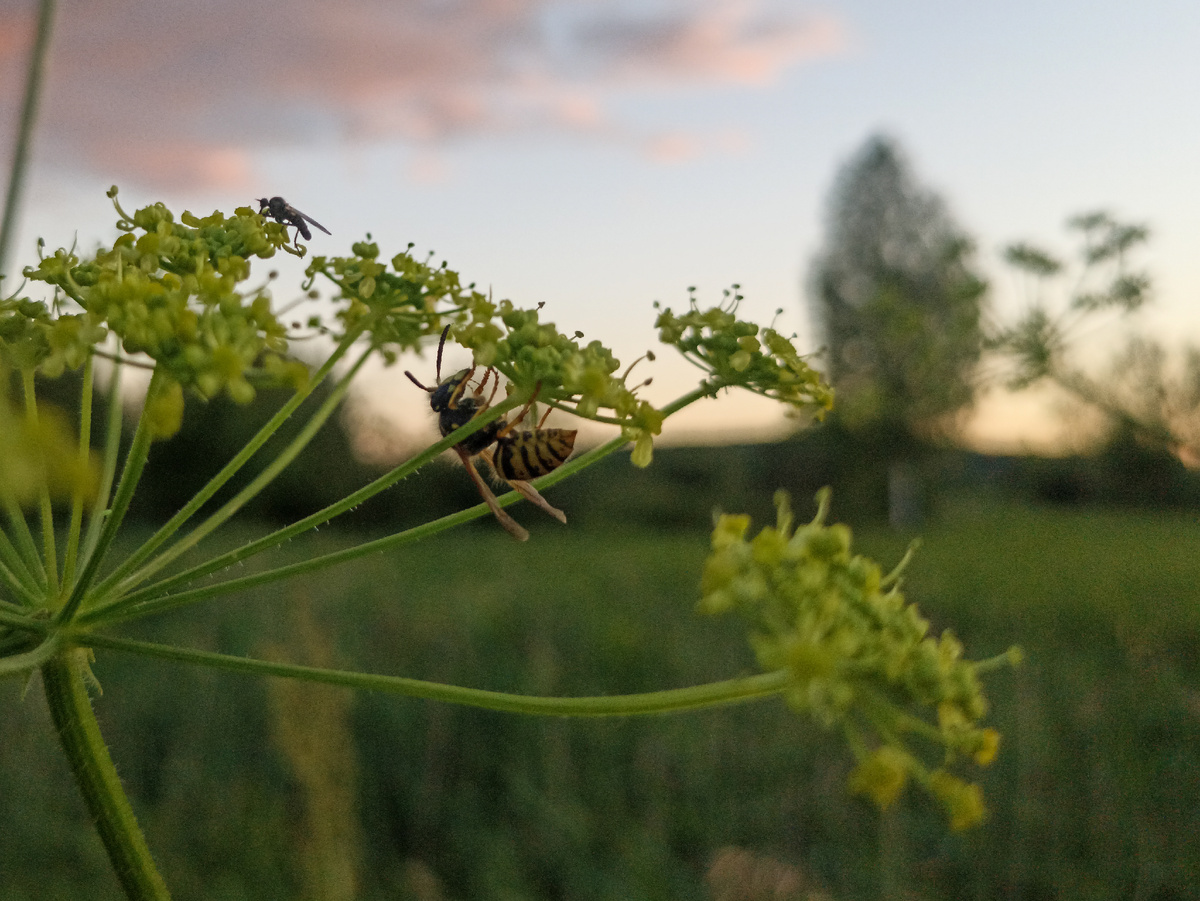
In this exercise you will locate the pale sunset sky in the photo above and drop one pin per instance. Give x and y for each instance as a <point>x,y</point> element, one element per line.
<point>597,155</point>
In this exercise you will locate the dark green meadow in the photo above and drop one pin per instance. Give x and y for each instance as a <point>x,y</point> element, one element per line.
<point>250,789</point>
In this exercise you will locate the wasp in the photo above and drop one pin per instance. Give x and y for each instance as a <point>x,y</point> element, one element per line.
<point>519,455</point>
<point>282,211</point>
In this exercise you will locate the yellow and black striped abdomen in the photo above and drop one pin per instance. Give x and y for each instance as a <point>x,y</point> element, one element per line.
<point>526,455</point>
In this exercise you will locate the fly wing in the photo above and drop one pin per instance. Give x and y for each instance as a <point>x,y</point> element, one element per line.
<point>311,220</point>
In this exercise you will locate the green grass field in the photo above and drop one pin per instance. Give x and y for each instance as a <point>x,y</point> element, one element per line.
<point>262,790</point>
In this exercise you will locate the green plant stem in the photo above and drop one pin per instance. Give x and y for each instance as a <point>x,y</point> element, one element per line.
<point>135,461</point>
<point>9,606</point>
<point>16,572</point>
<point>108,612</point>
<point>29,660</point>
<point>713,694</point>
<point>112,450</point>
<point>20,619</point>
<point>74,530</point>
<point>79,733</point>
<point>228,471</point>
<point>136,606</point>
<point>49,550</point>
<point>25,547</point>
<point>154,598</point>
<point>685,400</point>
<point>16,587</point>
<point>29,107</point>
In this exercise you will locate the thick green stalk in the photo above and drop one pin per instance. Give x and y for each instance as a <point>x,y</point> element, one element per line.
<point>730,691</point>
<point>79,733</point>
<point>33,92</point>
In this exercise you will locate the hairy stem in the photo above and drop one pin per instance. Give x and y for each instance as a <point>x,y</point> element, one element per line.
<point>79,733</point>
<point>730,691</point>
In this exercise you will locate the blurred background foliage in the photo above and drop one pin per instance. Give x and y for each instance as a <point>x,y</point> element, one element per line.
<point>1093,795</point>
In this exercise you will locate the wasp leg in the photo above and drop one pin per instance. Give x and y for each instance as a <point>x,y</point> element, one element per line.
<point>526,490</point>
<point>460,389</point>
<point>510,524</point>
<point>516,420</point>
<point>531,494</point>
<point>495,385</point>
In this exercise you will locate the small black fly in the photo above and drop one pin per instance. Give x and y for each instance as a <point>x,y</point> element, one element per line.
<point>282,211</point>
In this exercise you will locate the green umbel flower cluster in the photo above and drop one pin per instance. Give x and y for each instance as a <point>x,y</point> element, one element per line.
<point>860,658</point>
<point>411,301</point>
<point>169,295</point>
<point>165,290</point>
<point>737,353</point>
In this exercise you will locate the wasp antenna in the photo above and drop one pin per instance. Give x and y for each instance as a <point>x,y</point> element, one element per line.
<point>441,345</point>
<point>412,378</point>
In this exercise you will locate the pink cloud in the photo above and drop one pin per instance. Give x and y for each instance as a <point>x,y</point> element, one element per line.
<point>673,148</point>
<point>175,92</point>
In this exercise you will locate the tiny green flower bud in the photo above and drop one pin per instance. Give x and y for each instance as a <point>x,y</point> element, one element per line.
<point>643,450</point>
<point>164,410</point>
<point>963,800</point>
<point>881,776</point>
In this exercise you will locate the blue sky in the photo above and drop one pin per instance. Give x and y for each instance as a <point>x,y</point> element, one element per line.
<point>599,155</point>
